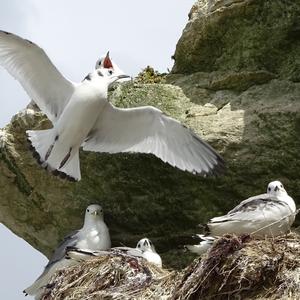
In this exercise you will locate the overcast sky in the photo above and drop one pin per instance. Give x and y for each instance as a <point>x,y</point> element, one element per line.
<point>75,34</point>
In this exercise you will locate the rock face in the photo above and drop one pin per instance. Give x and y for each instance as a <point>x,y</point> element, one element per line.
<point>241,35</point>
<point>235,82</point>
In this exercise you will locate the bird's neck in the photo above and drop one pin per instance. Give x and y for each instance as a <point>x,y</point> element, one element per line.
<point>287,199</point>
<point>92,223</point>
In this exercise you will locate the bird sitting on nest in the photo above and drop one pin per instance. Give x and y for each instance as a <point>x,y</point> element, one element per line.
<point>144,249</point>
<point>271,214</point>
<point>94,235</point>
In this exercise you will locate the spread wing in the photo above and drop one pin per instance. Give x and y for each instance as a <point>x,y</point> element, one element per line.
<point>30,65</point>
<point>148,130</point>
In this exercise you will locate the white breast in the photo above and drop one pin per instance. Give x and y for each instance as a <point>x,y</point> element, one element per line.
<point>96,238</point>
<point>153,258</point>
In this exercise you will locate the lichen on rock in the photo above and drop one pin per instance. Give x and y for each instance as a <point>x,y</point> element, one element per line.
<point>235,82</point>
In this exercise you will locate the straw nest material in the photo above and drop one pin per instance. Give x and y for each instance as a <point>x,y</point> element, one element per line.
<point>242,268</point>
<point>234,268</point>
<point>115,276</point>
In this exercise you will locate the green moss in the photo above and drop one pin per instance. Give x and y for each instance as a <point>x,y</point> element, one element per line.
<point>149,75</point>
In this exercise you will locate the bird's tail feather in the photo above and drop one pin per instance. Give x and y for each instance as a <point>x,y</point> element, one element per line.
<point>205,243</point>
<point>40,142</point>
<point>53,155</point>
<point>71,168</point>
<point>37,287</point>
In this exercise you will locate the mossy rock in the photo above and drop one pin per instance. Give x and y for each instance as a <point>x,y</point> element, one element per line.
<point>250,114</point>
<point>241,35</point>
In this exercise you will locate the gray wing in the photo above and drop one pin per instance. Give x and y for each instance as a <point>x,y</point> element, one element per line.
<point>30,65</point>
<point>129,251</point>
<point>148,130</point>
<point>251,208</point>
<point>59,253</point>
<point>57,261</point>
<point>258,202</point>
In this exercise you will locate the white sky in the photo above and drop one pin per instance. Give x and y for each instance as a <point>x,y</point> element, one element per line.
<point>75,34</point>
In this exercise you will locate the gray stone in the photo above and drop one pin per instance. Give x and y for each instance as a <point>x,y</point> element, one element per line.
<point>244,99</point>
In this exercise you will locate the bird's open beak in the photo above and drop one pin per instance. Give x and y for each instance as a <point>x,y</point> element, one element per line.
<point>107,64</point>
<point>276,188</point>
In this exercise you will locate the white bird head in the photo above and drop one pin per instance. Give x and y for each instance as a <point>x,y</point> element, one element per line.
<point>276,188</point>
<point>105,62</point>
<point>94,212</point>
<point>145,245</point>
<point>104,77</point>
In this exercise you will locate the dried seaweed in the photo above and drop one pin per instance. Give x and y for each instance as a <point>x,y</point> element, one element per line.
<point>241,268</point>
<point>116,276</point>
<point>234,268</point>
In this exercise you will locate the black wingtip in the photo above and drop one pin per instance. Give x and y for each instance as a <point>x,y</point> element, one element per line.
<point>219,167</point>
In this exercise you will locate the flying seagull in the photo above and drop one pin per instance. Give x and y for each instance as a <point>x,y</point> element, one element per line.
<point>82,117</point>
<point>269,214</point>
<point>144,249</point>
<point>94,235</point>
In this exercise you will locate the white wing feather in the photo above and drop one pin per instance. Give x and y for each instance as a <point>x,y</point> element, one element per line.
<point>148,130</point>
<point>30,65</point>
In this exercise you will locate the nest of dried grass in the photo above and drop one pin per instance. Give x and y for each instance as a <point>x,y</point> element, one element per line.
<point>242,268</point>
<point>235,268</point>
<point>116,276</point>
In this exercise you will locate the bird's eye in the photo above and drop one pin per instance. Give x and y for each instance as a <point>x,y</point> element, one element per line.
<point>110,72</point>
<point>88,210</point>
<point>281,186</point>
<point>139,246</point>
<point>269,189</point>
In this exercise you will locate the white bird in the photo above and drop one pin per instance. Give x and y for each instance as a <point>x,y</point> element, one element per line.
<point>205,242</point>
<point>94,235</point>
<point>105,62</point>
<point>82,116</point>
<point>148,251</point>
<point>269,214</point>
<point>144,249</point>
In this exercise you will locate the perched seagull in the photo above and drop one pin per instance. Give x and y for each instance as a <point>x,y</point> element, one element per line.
<point>82,117</point>
<point>94,235</point>
<point>144,249</point>
<point>269,214</point>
